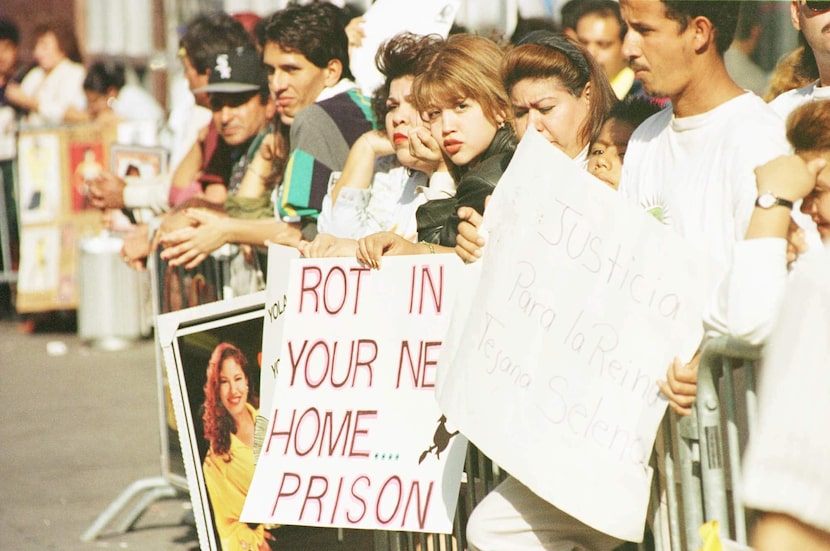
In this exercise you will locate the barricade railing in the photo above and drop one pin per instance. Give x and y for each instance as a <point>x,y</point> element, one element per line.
<point>701,455</point>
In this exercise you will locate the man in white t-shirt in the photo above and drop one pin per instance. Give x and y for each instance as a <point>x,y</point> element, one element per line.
<point>692,165</point>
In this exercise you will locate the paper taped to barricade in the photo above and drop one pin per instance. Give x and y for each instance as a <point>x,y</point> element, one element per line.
<point>355,437</point>
<point>551,366</point>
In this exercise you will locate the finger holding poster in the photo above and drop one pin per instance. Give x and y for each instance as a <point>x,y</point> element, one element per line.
<point>356,438</point>
<point>582,302</point>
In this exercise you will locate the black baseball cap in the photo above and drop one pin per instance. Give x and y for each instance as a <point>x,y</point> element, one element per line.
<point>239,70</point>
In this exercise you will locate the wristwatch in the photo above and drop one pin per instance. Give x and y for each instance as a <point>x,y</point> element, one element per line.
<point>768,199</point>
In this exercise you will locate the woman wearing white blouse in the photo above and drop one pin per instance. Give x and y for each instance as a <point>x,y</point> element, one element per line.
<point>52,92</point>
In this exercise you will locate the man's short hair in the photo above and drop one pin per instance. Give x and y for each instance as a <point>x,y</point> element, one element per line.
<point>9,31</point>
<point>723,14</point>
<point>315,30</point>
<point>210,34</point>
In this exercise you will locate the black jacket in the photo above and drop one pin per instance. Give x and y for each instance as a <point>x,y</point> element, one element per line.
<point>438,219</point>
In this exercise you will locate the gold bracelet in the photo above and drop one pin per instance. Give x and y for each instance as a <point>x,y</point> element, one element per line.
<point>430,246</point>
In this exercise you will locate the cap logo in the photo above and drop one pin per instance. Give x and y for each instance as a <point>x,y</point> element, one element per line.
<point>223,67</point>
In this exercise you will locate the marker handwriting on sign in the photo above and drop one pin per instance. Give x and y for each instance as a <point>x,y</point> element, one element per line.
<point>421,369</point>
<point>333,290</point>
<point>321,433</point>
<point>574,236</point>
<point>424,282</point>
<point>393,502</point>
<point>337,364</point>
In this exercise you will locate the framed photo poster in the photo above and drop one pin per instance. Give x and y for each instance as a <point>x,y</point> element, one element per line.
<point>136,160</point>
<point>212,354</point>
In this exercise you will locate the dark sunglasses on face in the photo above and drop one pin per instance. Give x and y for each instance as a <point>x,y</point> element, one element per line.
<point>818,6</point>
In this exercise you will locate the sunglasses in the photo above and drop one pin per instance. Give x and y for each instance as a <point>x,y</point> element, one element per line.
<point>817,6</point>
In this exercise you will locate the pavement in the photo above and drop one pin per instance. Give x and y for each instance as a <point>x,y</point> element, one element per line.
<point>79,425</point>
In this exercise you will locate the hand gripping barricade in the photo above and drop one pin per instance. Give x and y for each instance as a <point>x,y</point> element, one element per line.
<point>701,455</point>
<point>174,288</point>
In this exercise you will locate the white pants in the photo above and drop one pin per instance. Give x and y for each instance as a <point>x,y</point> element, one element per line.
<point>512,518</point>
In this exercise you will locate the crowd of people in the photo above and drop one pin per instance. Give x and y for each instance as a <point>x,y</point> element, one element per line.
<point>279,145</point>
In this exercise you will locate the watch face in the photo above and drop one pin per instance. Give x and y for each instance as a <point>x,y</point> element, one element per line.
<point>766,200</point>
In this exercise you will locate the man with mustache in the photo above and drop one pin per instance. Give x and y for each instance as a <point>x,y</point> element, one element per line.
<point>694,163</point>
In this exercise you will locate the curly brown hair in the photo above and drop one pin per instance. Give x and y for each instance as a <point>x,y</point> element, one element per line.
<point>217,421</point>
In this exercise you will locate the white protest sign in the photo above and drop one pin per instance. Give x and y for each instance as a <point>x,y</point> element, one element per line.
<point>386,18</point>
<point>582,302</point>
<point>355,437</point>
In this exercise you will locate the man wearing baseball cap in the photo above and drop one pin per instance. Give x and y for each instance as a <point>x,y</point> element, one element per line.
<point>241,103</point>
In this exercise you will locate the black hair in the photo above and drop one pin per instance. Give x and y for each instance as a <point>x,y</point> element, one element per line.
<point>634,110</point>
<point>9,31</point>
<point>210,34</point>
<point>102,76</point>
<point>317,31</point>
<point>400,56</point>
<point>723,15</point>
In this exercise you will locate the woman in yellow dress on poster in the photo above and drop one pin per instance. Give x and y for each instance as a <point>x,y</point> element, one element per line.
<point>228,415</point>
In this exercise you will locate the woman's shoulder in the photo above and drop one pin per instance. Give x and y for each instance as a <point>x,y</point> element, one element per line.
<point>495,160</point>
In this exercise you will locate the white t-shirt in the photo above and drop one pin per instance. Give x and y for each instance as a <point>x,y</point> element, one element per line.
<point>696,173</point>
<point>787,102</point>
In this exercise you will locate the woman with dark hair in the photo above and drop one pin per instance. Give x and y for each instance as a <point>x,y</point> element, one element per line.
<point>52,92</point>
<point>228,417</point>
<point>558,89</point>
<point>460,97</point>
<point>382,183</point>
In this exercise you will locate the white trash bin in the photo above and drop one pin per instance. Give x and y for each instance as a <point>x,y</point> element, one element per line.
<point>109,306</point>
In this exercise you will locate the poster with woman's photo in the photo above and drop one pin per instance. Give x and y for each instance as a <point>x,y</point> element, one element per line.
<point>213,354</point>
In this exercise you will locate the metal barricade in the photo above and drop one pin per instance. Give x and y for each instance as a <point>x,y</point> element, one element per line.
<point>701,455</point>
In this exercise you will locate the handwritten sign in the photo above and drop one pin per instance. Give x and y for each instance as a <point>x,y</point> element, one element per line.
<point>550,365</point>
<point>355,438</point>
<point>387,18</point>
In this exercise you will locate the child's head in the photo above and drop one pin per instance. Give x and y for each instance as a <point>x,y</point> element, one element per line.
<point>808,131</point>
<point>607,150</point>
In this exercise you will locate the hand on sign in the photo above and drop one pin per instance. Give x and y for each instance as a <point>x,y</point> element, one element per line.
<point>326,246</point>
<point>372,247</point>
<point>470,241</point>
<point>680,386</point>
